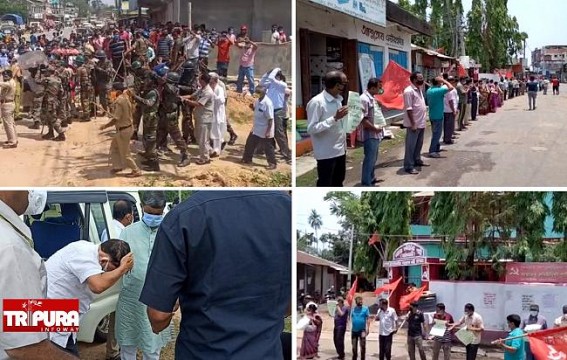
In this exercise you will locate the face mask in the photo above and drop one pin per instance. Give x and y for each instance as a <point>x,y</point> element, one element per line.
<point>381,91</point>
<point>533,313</point>
<point>419,83</point>
<point>36,202</point>
<point>151,220</point>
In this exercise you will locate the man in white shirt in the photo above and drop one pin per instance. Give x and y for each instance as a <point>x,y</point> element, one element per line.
<point>388,319</point>
<point>450,111</point>
<point>191,43</point>
<point>122,216</point>
<point>415,122</point>
<point>324,125</point>
<point>275,38</point>
<point>22,274</point>
<point>277,91</point>
<point>81,270</point>
<point>474,323</point>
<point>263,129</point>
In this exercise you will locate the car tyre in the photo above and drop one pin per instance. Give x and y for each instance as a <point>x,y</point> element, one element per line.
<point>102,330</point>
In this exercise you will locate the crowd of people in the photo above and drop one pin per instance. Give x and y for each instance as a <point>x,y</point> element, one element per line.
<point>162,262</point>
<point>450,104</point>
<point>157,74</point>
<point>358,319</point>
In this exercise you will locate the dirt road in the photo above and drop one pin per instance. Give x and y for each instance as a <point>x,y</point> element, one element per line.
<point>82,160</point>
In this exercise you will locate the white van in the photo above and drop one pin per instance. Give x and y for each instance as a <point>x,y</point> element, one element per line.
<point>81,215</point>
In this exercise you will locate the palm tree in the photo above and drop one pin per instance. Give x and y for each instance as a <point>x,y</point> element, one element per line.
<point>315,222</point>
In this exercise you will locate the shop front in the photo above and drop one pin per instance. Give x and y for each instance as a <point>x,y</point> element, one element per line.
<point>357,44</point>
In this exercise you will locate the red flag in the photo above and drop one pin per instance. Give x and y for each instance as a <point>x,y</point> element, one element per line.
<point>375,238</point>
<point>411,297</point>
<point>388,287</point>
<point>351,292</point>
<point>549,344</point>
<point>394,80</point>
<point>461,70</point>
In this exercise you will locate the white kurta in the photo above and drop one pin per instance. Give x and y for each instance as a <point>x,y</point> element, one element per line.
<point>218,130</point>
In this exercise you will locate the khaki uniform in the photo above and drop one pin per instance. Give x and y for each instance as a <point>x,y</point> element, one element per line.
<point>7,95</point>
<point>18,78</point>
<point>120,155</point>
<point>140,50</point>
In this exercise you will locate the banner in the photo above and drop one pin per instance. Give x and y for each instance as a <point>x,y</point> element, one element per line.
<point>388,287</point>
<point>351,292</point>
<point>394,80</point>
<point>406,300</point>
<point>549,344</point>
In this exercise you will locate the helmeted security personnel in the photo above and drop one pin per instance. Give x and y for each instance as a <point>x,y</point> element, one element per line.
<point>103,73</point>
<point>169,116</point>
<point>188,85</point>
<point>84,79</point>
<point>149,101</point>
<point>140,74</point>
<point>51,105</point>
<point>38,90</point>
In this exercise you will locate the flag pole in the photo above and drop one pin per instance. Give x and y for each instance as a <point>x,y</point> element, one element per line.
<point>511,338</point>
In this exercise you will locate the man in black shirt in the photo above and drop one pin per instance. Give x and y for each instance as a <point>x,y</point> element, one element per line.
<point>416,329</point>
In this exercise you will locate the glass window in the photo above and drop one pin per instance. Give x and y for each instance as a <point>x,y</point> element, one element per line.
<point>97,215</point>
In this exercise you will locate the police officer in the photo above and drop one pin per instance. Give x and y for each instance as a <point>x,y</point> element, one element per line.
<point>149,102</point>
<point>65,77</point>
<point>120,155</point>
<point>7,107</point>
<point>169,117</point>
<point>52,104</point>
<point>84,79</point>
<point>139,49</point>
<point>103,73</point>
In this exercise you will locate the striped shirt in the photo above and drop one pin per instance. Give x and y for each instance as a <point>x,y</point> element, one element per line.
<point>449,320</point>
<point>204,47</point>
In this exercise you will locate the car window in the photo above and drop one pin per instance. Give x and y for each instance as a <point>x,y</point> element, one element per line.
<point>97,214</point>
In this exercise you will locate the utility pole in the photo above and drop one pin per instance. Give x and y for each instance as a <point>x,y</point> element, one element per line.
<point>350,257</point>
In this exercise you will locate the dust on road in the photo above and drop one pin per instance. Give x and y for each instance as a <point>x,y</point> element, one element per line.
<point>82,160</point>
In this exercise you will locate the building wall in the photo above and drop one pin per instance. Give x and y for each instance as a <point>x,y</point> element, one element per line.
<point>259,15</point>
<point>495,301</point>
<point>329,22</point>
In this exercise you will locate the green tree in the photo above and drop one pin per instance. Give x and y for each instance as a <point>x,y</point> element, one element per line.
<point>305,242</point>
<point>13,7</point>
<point>476,28</point>
<point>559,212</point>
<point>315,222</point>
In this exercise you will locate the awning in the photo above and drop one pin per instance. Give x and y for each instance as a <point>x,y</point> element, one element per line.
<point>431,52</point>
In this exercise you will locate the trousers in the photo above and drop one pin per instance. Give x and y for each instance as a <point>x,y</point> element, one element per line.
<point>7,110</point>
<point>129,353</point>
<point>331,172</point>
<point>120,155</point>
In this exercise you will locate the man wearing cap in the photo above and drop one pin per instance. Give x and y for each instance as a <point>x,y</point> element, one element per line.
<point>246,68</point>
<point>17,75</point>
<point>121,118</point>
<point>84,77</point>
<point>52,109</point>
<point>7,95</point>
<point>103,74</point>
<point>535,322</point>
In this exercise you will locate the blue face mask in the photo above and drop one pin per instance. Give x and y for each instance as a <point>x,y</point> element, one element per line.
<point>151,220</point>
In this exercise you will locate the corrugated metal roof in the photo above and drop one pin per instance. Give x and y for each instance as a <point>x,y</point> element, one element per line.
<point>305,258</point>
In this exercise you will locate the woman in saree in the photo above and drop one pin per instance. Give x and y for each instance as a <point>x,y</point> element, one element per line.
<point>493,99</point>
<point>311,333</point>
<point>483,100</point>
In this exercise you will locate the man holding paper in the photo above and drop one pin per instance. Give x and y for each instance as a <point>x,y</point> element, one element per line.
<point>472,332</point>
<point>373,123</point>
<point>387,328</point>
<point>440,332</point>
<point>534,322</point>
<point>325,113</point>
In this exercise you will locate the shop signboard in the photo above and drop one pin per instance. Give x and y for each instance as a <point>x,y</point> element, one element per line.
<point>373,11</point>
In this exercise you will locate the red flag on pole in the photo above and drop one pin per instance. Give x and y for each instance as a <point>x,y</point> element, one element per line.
<point>351,292</point>
<point>388,287</point>
<point>394,80</point>
<point>461,70</point>
<point>411,297</point>
<point>375,238</point>
<point>549,344</point>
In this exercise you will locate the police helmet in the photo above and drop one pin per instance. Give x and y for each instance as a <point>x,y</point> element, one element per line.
<point>173,77</point>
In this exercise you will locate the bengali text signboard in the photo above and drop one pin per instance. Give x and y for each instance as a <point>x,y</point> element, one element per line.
<point>536,272</point>
<point>373,11</point>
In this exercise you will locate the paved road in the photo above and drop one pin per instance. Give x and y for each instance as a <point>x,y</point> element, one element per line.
<point>513,147</point>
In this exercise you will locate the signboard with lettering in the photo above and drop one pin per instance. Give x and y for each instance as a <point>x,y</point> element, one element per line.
<point>377,35</point>
<point>408,254</point>
<point>536,272</point>
<point>373,11</point>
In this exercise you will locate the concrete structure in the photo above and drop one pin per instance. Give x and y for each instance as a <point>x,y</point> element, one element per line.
<point>550,59</point>
<point>316,275</point>
<point>36,10</point>
<point>259,15</point>
<point>335,37</point>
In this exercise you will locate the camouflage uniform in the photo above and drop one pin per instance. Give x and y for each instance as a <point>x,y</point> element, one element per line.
<point>65,107</point>
<point>149,103</point>
<point>187,86</point>
<point>103,73</point>
<point>140,77</point>
<point>169,121</point>
<point>52,107</point>
<point>38,93</point>
<point>140,51</point>
<point>84,77</point>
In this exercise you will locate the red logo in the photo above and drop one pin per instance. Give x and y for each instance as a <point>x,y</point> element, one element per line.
<point>40,315</point>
